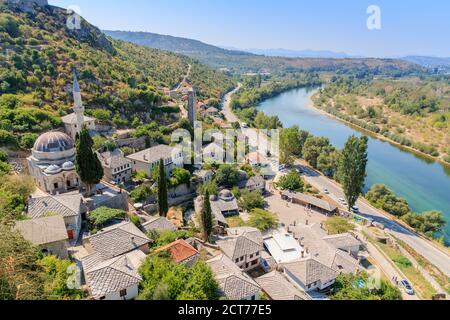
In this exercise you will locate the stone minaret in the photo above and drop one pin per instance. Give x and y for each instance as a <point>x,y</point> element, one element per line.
<point>192,106</point>
<point>78,104</point>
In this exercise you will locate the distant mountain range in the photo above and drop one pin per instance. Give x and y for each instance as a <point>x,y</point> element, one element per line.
<point>297,53</point>
<point>274,60</point>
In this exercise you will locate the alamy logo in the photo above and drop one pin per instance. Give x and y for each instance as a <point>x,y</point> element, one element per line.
<point>74,17</point>
<point>374,19</point>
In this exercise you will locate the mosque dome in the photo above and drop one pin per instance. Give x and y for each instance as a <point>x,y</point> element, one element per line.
<point>226,195</point>
<point>53,169</point>
<point>53,142</point>
<point>68,165</point>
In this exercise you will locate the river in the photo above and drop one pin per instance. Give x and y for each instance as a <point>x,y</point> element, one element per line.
<point>424,183</point>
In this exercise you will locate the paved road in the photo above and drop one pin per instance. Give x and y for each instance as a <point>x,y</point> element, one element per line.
<point>388,269</point>
<point>437,257</point>
<point>227,112</point>
<point>433,254</point>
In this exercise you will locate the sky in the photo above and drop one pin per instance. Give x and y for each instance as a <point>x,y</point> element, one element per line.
<point>408,27</point>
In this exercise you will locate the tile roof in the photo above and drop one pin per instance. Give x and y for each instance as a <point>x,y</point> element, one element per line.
<point>180,250</point>
<point>43,230</point>
<point>117,240</point>
<point>154,154</point>
<point>234,284</point>
<point>252,182</point>
<point>159,224</point>
<point>65,205</point>
<point>241,243</point>
<point>113,275</point>
<point>278,287</point>
<point>309,271</point>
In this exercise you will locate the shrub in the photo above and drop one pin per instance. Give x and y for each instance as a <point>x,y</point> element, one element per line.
<point>101,216</point>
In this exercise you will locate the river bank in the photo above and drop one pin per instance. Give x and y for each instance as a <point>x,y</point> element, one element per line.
<point>378,135</point>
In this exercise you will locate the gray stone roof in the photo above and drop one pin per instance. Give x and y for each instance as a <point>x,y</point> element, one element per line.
<point>234,284</point>
<point>219,205</point>
<point>312,238</point>
<point>277,287</point>
<point>309,271</point>
<point>311,200</point>
<point>117,240</point>
<point>44,230</point>
<point>67,205</point>
<point>154,154</point>
<point>113,275</point>
<point>159,224</point>
<point>342,241</point>
<point>252,182</point>
<point>72,119</point>
<point>244,242</point>
<point>113,159</point>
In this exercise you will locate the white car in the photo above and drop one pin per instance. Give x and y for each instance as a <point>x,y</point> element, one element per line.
<point>407,287</point>
<point>326,191</point>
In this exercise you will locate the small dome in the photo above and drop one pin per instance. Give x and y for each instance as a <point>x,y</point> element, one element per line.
<point>226,195</point>
<point>53,169</point>
<point>53,142</point>
<point>68,165</point>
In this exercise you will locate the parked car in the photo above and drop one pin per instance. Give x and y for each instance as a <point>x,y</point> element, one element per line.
<point>355,209</point>
<point>326,191</point>
<point>407,287</point>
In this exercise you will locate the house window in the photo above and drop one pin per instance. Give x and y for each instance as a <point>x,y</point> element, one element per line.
<point>251,256</point>
<point>55,185</point>
<point>257,254</point>
<point>237,260</point>
<point>242,258</point>
<point>123,293</point>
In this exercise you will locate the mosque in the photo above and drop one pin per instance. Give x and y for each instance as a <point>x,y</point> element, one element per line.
<point>52,160</point>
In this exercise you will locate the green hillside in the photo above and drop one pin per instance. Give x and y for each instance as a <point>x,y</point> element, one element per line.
<point>37,56</point>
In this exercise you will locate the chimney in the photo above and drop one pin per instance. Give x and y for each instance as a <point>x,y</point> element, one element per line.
<point>295,223</point>
<point>307,251</point>
<point>307,222</point>
<point>321,225</point>
<point>303,254</point>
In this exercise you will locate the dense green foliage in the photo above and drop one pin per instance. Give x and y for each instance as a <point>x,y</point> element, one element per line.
<point>160,239</point>
<point>262,220</point>
<point>338,225</point>
<point>99,217</point>
<point>88,166</point>
<point>227,175</point>
<point>362,287</point>
<point>251,200</point>
<point>163,201</point>
<point>383,198</point>
<point>118,78</point>
<point>352,167</point>
<point>14,193</point>
<point>141,193</point>
<point>165,280</point>
<point>180,176</point>
<point>26,275</point>
<point>292,182</point>
<point>292,141</point>
<point>429,223</point>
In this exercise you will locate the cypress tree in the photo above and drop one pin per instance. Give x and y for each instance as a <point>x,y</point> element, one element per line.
<point>352,168</point>
<point>163,203</point>
<point>207,223</point>
<point>88,165</point>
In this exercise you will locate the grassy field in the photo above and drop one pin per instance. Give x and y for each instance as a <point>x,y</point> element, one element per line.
<point>421,285</point>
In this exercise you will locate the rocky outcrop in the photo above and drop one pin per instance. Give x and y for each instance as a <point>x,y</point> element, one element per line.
<point>27,5</point>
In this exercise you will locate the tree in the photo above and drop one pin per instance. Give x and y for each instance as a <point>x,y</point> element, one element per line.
<point>262,220</point>
<point>338,225</point>
<point>180,176</point>
<point>88,165</point>
<point>55,274</point>
<point>314,147</point>
<point>383,198</point>
<point>251,200</point>
<point>163,278</point>
<point>227,175</point>
<point>292,141</point>
<point>101,216</point>
<point>206,218</point>
<point>210,187</point>
<point>359,287</point>
<point>352,168</point>
<point>428,223</point>
<point>19,273</point>
<point>292,182</point>
<point>163,203</point>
